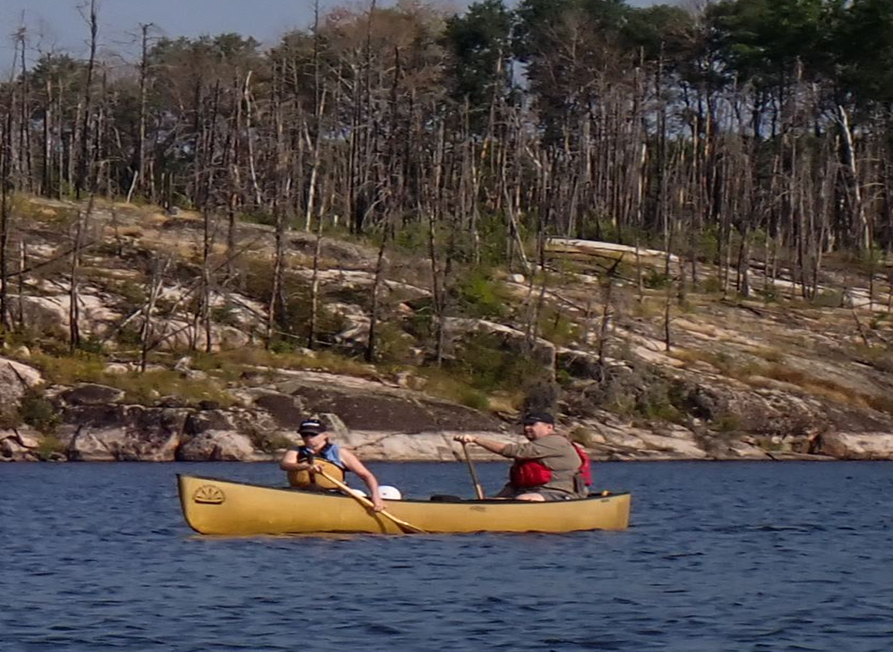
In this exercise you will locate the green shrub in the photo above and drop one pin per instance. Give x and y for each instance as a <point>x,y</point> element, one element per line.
<point>283,345</point>
<point>257,276</point>
<point>655,405</point>
<point>92,344</point>
<point>475,399</point>
<point>268,442</point>
<point>486,363</point>
<point>146,388</point>
<point>393,345</point>
<point>636,391</point>
<point>555,326</point>
<point>67,369</point>
<point>581,435</point>
<point>420,323</point>
<point>881,358</point>
<point>769,294</point>
<point>478,294</point>
<point>9,418</point>
<point>881,403</point>
<point>48,445</point>
<point>37,411</point>
<point>828,299</point>
<point>656,280</point>
<point>711,285</point>
<point>225,314</point>
<point>708,245</point>
<point>441,383</point>
<point>727,422</point>
<point>412,237</point>
<point>877,320</point>
<point>132,295</point>
<point>770,444</point>
<point>258,216</point>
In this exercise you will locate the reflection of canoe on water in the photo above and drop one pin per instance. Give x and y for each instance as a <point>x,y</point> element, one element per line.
<point>223,507</point>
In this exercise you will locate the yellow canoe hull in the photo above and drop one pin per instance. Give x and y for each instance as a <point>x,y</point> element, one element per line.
<point>222,507</point>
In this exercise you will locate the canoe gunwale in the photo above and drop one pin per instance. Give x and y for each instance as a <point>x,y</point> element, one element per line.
<point>420,501</point>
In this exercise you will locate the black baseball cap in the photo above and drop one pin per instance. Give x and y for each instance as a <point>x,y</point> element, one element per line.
<point>312,427</point>
<point>537,417</point>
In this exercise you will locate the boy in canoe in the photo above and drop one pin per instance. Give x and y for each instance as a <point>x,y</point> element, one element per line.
<point>317,455</point>
<point>546,467</point>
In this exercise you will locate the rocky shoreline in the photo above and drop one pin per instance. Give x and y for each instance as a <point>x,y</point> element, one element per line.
<point>382,422</point>
<point>633,371</point>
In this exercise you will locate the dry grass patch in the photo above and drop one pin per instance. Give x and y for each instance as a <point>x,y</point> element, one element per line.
<point>879,358</point>
<point>727,365</point>
<point>505,401</point>
<point>442,385</point>
<point>703,329</point>
<point>129,231</point>
<point>155,220</point>
<point>648,309</point>
<point>234,361</point>
<point>145,388</point>
<point>767,353</point>
<point>138,387</point>
<point>881,403</point>
<point>828,389</point>
<point>691,355</point>
<point>69,370</point>
<point>35,211</point>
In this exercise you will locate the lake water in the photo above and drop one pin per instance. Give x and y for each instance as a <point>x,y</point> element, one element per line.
<point>719,557</point>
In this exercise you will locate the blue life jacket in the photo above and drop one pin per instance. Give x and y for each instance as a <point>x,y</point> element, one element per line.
<point>329,458</point>
<point>330,453</point>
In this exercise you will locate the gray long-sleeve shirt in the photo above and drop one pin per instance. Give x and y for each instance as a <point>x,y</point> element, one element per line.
<point>556,453</point>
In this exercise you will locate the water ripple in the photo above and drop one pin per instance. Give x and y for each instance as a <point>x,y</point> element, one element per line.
<point>98,559</point>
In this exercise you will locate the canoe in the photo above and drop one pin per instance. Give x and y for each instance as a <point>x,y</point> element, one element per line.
<point>213,506</point>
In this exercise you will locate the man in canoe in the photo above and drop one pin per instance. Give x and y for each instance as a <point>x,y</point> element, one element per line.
<point>546,466</point>
<point>306,463</point>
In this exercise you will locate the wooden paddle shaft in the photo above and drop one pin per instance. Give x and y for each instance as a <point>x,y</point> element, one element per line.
<point>478,489</point>
<point>365,502</point>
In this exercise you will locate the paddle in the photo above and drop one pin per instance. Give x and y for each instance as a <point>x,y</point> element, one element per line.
<point>365,502</point>
<point>478,489</point>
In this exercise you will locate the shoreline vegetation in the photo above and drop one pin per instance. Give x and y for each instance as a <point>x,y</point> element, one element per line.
<point>681,244</point>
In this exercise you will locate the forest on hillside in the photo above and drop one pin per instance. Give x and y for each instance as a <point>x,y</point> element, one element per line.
<point>738,132</point>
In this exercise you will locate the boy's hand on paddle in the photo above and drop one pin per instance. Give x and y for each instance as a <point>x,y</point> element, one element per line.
<point>465,439</point>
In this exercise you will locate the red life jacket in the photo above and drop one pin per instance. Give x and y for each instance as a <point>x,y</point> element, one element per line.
<point>529,473</point>
<point>533,473</point>
<point>585,469</point>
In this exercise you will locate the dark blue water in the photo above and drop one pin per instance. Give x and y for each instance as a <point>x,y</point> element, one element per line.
<point>720,557</point>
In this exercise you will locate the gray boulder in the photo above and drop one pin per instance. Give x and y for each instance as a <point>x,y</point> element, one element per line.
<point>220,446</point>
<point>90,394</point>
<point>15,379</point>
<point>125,433</point>
<point>855,445</point>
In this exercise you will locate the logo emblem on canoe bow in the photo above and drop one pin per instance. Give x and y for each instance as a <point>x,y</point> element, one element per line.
<point>208,494</point>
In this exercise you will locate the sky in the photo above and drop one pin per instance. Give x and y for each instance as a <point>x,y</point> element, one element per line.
<point>58,25</point>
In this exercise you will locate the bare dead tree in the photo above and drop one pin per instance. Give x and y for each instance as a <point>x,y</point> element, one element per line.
<point>5,218</point>
<point>74,313</point>
<point>85,159</point>
<point>314,288</point>
<point>147,329</point>
<point>607,286</point>
<point>139,166</point>
<point>380,268</point>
